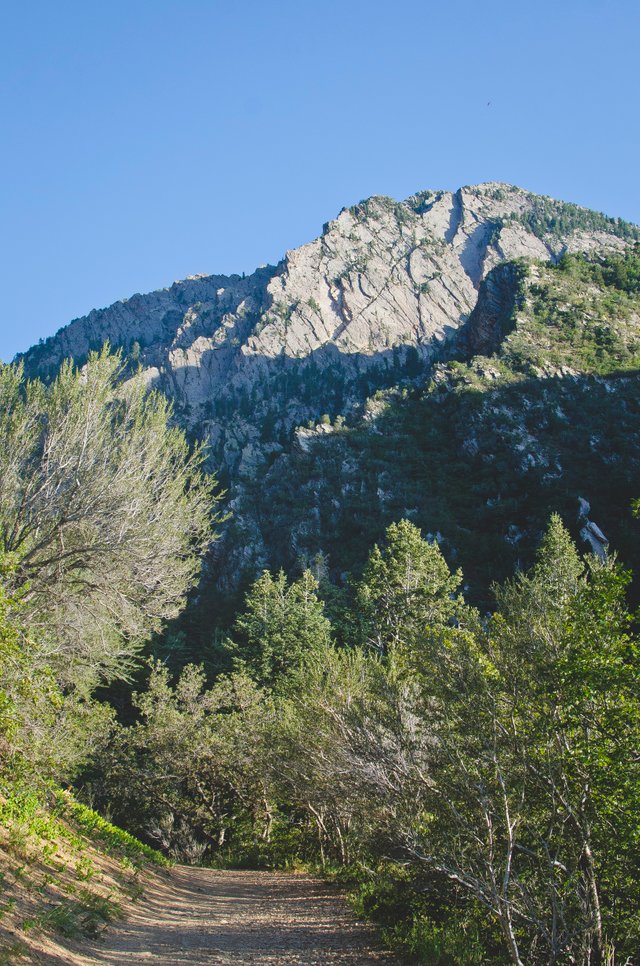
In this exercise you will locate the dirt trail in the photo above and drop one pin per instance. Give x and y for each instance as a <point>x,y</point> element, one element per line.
<point>204,916</point>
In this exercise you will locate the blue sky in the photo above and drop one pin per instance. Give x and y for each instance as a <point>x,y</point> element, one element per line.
<point>146,140</point>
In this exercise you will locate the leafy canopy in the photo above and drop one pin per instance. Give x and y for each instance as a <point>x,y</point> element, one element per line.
<point>104,511</point>
<point>282,624</point>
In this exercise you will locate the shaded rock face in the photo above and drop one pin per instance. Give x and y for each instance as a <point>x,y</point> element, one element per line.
<point>493,314</point>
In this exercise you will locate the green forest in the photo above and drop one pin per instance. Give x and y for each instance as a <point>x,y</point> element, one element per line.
<point>466,764</point>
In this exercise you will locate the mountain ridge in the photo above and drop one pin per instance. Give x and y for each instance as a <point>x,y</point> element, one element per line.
<point>446,214</point>
<point>382,275</point>
<point>262,366</point>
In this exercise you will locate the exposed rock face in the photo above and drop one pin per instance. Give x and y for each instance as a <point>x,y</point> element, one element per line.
<point>492,315</point>
<point>593,535</point>
<point>372,298</point>
<point>250,362</point>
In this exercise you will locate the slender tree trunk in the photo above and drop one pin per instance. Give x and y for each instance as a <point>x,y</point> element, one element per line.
<point>596,950</point>
<point>266,832</point>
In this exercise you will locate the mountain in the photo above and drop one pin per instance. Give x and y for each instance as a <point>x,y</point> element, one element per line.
<point>403,363</point>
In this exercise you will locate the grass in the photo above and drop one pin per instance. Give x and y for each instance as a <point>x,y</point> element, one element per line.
<point>15,951</point>
<point>67,872</point>
<point>73,918</point>
<point>114,840</point>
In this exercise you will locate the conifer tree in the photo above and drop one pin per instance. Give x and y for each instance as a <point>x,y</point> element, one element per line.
<point>406,588</point>
<point>281,624</point>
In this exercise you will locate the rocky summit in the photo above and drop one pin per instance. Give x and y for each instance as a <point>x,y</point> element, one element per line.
<point>267,368</point>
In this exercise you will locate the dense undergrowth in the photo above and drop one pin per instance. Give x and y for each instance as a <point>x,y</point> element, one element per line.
<point>473,779</point>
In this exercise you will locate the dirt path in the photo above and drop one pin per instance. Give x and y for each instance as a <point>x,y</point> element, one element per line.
<point>203,916</point>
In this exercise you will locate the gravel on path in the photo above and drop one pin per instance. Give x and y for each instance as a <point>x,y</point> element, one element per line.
<point>206,916</point>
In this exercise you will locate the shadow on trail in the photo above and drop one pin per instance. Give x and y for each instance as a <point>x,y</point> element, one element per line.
<point>195,916</point>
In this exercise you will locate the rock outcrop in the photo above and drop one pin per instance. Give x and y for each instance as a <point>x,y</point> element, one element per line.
<point>246,360</point>
<point>261,366</point>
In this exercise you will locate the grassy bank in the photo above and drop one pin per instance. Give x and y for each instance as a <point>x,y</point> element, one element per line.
<point>65,873</point>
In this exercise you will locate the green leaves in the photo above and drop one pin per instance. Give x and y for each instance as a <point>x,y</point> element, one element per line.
<point>494,759</point>
<point>184,770</point>
<point>103,509</point>
<point>406,590</point>
<point>282,624</point>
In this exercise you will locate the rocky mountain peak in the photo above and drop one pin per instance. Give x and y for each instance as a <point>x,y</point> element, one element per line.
<point>384,287</point>
<point>268,367</point>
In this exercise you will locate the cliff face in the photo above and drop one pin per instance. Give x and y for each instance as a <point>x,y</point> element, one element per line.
<point>537,412</point>
<point>263,365</point>
<point>385,285</point>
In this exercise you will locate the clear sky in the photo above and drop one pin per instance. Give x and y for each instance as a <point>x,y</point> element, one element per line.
<point>145,140</point>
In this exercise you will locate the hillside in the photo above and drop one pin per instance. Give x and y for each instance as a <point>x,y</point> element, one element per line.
<point>266,368</point>
<point>66,874</point>
<point>544,417</point>
<point>428,690</point>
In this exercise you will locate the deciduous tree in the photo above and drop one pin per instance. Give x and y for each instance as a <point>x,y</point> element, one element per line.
<point>104,512</point>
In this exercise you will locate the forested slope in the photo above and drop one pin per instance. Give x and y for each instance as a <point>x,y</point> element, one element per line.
<point>483,449</point>
<point>411,659</point>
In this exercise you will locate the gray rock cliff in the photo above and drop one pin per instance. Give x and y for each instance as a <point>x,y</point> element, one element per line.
<point>259,366</point>
<point>384,287</point>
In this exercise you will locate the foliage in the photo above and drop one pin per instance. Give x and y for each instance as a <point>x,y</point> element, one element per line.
<point>104,513</point>
<point>621,272</point>
<point>104,516</point>
<point>281,624</point>
<point>545,216</point>
<point>494,760</point>
<point>44,732</point>
<point>474,776</point>
<point>405,588</point>
<point>65,870</point>
<point>486,767</point>
<point>179,773</point>
<point>482,452</point>
<point>75,918</point>
<point>114,840</point>
<point>503,760</point>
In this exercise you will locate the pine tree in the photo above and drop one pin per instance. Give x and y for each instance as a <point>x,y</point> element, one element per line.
<point>406,589</point>
<point>281,624</point>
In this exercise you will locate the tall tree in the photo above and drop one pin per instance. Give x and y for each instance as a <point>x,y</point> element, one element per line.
<point>406,587</point>
<point>281,624</point>
<point>534,783</point>
<point>104,511</point>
